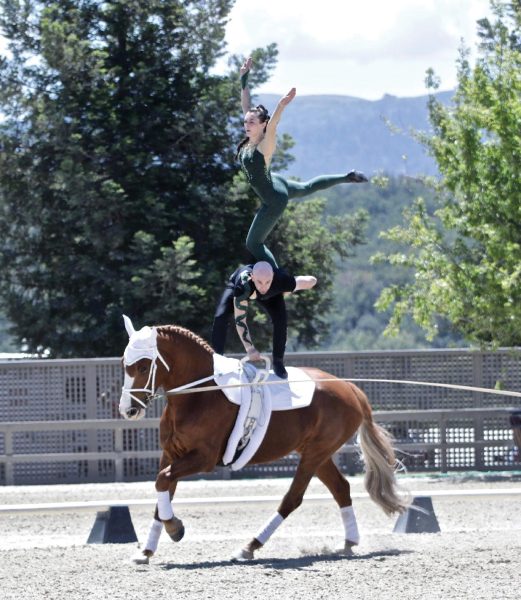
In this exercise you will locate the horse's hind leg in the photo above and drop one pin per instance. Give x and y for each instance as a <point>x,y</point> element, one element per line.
<point>291,501</point>
<point>339,487</point>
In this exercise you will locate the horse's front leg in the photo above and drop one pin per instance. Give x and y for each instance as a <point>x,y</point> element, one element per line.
<point>143,556</point>
<point>188,464</point>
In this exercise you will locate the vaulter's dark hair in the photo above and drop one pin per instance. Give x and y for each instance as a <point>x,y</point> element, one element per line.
<point>264,117</point>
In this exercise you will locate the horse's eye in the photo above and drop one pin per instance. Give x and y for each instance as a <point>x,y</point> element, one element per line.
<point>143,369</point>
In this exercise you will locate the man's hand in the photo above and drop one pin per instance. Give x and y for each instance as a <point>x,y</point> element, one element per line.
<point>254,354</point>
<point>304,282</point>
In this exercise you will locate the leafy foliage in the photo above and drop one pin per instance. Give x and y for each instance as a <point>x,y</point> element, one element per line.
<point>354,323</point>
<point>466,254</point>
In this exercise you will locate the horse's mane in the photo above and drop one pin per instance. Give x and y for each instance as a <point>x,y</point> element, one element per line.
<point>171,330</point>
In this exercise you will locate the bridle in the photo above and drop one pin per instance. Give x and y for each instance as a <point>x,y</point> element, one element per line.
<point>151,354</point>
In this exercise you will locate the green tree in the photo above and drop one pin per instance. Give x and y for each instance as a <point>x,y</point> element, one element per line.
<point>353,321</point>
<point>6,343</point>
<point>466,254</point>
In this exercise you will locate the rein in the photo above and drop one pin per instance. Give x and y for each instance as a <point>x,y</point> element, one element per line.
<point>181,389</point>
<point>186,386</point>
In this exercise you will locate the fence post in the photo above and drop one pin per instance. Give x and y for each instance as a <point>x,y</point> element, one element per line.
<point>443,443</point>
<point>479,450</point>
<point>92,413</point>
<point>477,378</point>
<point>9,467</point>
<point>118,449</point>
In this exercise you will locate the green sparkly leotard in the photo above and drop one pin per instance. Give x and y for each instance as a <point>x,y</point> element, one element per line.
<point>274,192</point>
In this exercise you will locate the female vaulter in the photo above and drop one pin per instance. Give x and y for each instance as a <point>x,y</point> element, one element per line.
<point>255,153</point>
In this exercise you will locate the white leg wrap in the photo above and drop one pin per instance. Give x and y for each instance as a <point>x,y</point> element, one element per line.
<point>269,528</point>
<point>164,508</point>
<point>350,526</point>
<point>156,527</point>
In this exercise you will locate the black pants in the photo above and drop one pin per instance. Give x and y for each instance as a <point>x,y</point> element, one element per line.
<point>274,306</point>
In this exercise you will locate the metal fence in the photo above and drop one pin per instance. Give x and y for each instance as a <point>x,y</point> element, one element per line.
<point>77,436</point>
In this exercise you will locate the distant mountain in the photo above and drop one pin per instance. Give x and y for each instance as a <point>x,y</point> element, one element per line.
<point>334,134</point>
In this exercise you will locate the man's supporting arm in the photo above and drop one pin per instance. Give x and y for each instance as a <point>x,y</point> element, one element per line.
<point>241,324</point>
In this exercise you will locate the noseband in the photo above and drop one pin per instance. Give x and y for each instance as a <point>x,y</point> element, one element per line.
<point>151,381</point>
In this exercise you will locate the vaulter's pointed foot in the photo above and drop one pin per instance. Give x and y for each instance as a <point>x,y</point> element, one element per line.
<point>279,368</point>
<point>356,177</point>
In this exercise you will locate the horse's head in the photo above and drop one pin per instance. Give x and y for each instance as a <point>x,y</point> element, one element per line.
<point>140,363</point>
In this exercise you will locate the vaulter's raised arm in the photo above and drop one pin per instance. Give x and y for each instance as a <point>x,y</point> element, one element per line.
<point>269,143</point>
<point>245,91</point>
<point>304,282</point>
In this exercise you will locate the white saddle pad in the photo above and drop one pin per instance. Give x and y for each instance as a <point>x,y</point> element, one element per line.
<point>286,394</point>
<point>259,399</point>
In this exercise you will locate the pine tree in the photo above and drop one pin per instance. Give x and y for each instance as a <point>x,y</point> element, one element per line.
<point>117,144</point>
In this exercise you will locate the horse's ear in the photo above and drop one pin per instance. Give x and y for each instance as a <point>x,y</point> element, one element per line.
<point>128,325</point>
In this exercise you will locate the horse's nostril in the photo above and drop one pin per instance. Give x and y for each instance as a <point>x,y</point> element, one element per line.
<point>132,412</point>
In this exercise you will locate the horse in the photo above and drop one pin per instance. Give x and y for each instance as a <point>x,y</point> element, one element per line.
<point>195,427</point>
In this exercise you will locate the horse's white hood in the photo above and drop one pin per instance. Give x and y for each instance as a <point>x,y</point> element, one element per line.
<point>141,344</point>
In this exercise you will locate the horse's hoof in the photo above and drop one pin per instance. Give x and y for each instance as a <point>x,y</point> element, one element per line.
<point>242,555</point>
<point>142,557</point>
<point>347,550</point>
<point>175,529</point>
<point>178,535</point>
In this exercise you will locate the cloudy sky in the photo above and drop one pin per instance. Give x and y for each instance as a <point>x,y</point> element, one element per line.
<point>363,49</point>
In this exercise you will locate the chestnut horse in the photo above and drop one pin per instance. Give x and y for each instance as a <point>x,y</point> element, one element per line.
<point>194,430</point>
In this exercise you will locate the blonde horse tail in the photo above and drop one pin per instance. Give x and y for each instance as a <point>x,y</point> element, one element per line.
<point>380,462</point>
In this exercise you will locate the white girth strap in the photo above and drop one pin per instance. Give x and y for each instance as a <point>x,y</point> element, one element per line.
<point>251,423</point>
<point>254,414</point>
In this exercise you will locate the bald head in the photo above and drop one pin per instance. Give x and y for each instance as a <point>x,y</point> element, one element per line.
<point>262,269</point>
<point>262,276</point>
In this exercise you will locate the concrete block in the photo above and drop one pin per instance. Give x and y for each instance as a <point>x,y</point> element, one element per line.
<point>421,519</point>
<point>113,526</point>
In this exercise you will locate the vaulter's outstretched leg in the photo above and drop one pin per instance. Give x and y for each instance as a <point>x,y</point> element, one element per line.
<point>301,189</point>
